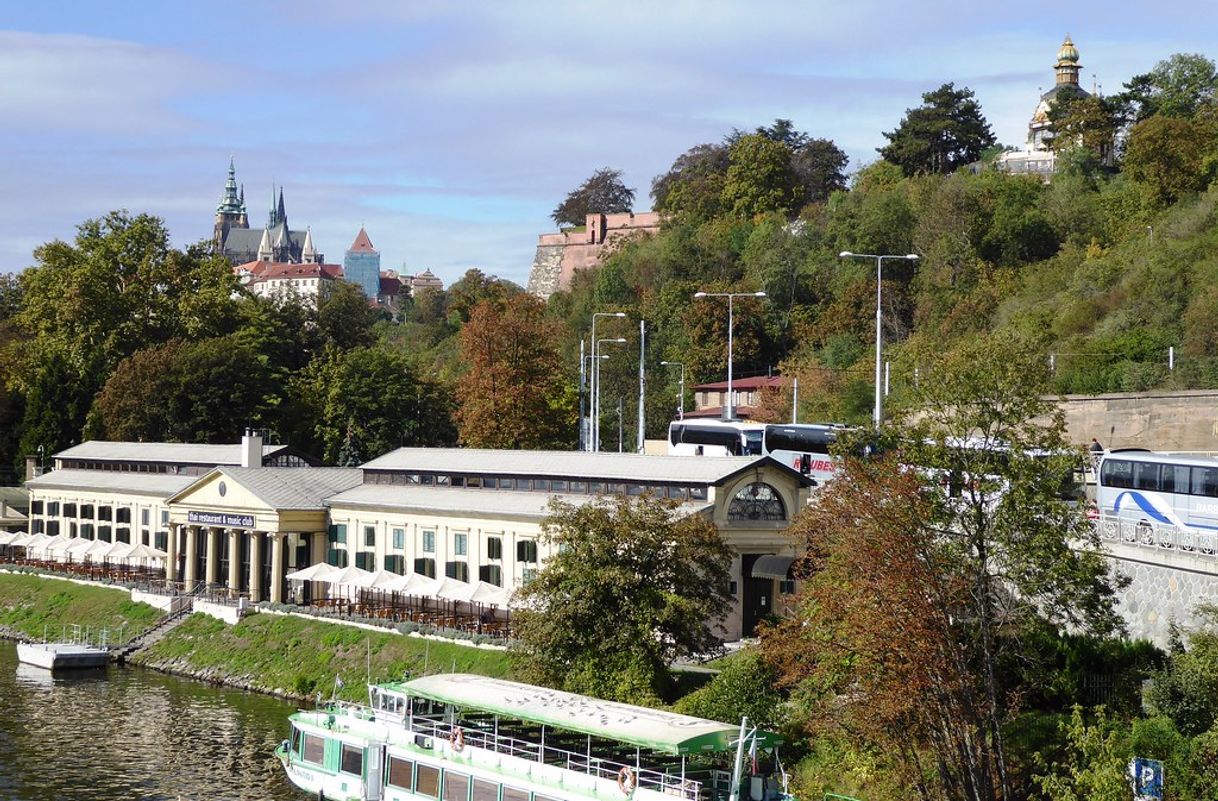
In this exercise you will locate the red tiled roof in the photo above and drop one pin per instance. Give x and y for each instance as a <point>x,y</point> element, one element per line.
<point>265,270</point>
<point>362,243</point>
<point>754,382</point>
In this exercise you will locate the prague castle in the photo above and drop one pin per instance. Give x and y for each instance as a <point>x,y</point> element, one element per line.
<point>236,241</point>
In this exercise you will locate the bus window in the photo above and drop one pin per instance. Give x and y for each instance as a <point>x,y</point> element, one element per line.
<point>752,443</point>
<point>1205,481</point>
<point>1173,478</point>
<point>1117,473</point>
<point>1146,476</point>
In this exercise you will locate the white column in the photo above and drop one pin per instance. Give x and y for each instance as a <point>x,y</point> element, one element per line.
<point>234,561</point>
<point>213,555</point>
<point>278,543</point>
<point>191,574</point>
<point>171,559</point>
<point>256,565</point>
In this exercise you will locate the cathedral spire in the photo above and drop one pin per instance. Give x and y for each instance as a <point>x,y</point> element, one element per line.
<point>229,202</point>
<point>281,214</point>
<point>308,255</point>
<point>265,252</point>
<point>271,220</point>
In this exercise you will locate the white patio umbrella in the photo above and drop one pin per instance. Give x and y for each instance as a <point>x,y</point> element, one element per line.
<point>77,546</point>
<point>450,589</point>
<point>21,539</point>
<point>349,576</point>
<point>489,594</point>
<point>7,536</point>
<point>142,551</point>
<point>97,549</point>
<point>313,572</point>
<point>377,580</point>
<point>59,544</point>
<point>413,584</point>
<point>38,543</point>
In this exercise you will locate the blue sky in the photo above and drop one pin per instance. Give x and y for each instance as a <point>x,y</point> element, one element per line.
<point>451,129</point>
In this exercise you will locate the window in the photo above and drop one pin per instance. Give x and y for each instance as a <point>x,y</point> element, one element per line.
<point>442,481</point>
<point>460,544</point>
<point>103,533</point>
<point>456,786</point>
<point>1119,473</point>
<point>494,547</point>
<point>786,586</point>
<point>337,534</point>
<point>352,760</point>
<point>457,570</point>
<point>491,574</point>
<point>512,794</point>
<point>400,773</point>
<point>69,510</point>
<point>105,513</point>
<point>474,482</point>
<point>1173,478</point>
<point>86,531</point>
<point>365,560</point>
<point>337,557</point>
<point>697,493</point>
<point>38,525</point>
<point>526,551</point>
<point>427,782</point>
<point>162,540</point>
<point>53,528</point>
<point>86,511</point>
<point>369,536</point>
<point>558,485</point>
<point>122,534</point>
<point>1146,476</point>
<point>427,479</point>
<point>145,515</point>
<point>36,507</point>
<point>635,489</point>
<point>757,501</point>
<point>527,576</point>
<point>52,508</point>
<point>485,791</point>
<point>399,538</point>
<point>429,541</point>
<point>458,481</point>
<point>425,567</point>
<point>489,482</point>
<point>579,486</point>
<point>164,517</point>
<point>395,564</point>
<point>123,515</point>
<point>506,483</point>
<point>731,588</point>
<point>1205,481</point>
<point>314,749</point>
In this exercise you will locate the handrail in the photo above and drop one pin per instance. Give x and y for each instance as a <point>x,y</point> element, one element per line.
<point>1162,536</point>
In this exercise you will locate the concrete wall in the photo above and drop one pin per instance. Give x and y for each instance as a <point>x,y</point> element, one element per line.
<point>1186,420</point>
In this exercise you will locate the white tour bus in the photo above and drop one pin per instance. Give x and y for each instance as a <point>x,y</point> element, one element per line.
<point>804,447</point>
<point>715,438</point>
<point>801,446</point>
<point>1159,489</point>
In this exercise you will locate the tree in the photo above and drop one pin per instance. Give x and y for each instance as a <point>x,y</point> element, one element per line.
<point>630,586</point>
<point>474,287</point>
<point>945,133</point>
<point>1081,120</point>
<point>345,317</point>
<point>917,594</point>
<point>693,186</point>
<point>820,165</point>
<point>603,193</point>
<point>1095,768</point>
<point>367,401</point>
<point>760,178</point>
<point>204,391</point>
<point>1182,84</point>
<point>509,396</point>
<point>1167,155</point>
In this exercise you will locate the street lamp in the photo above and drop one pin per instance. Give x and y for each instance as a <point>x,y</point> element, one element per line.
<point>681,393</point>
<point>596,400</point>
<point>879,283</point>
<point>595,403</point>
<point>727,407</point>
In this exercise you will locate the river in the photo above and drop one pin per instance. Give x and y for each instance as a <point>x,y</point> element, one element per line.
<point>128,734</point>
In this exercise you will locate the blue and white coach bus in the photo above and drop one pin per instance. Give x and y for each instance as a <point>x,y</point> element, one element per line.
<point>1170,499</point>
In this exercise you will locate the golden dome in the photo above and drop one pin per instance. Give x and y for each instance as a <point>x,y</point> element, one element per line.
<point>1068,54</point>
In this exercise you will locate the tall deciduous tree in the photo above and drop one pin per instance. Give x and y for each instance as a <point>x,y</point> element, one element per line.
<point>1167,156</point>
<point>629,587</point>
<point>512,395</point>
<point>693,186</point>
<point>603,193</point>
<point>760,177</point>
<point>945,133</point>
<point>918,593</point>
<point>345,317</point>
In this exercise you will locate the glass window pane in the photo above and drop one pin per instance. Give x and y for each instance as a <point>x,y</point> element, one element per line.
<point>314,749</point>
<point>352,760</point>
<point>1146,476</point>
<point>485,791</point>
<point>456,786</point>
<point>427,782</point>
<point>512,794</point>
<point>1205,481</point>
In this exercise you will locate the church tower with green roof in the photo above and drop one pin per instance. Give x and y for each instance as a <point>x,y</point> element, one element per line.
<point>230,212</point>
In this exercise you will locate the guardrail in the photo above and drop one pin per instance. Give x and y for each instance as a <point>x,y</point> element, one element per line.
<point>1146,534</point>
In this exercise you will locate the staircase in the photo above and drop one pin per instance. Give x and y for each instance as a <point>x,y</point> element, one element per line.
<point>154,633</point>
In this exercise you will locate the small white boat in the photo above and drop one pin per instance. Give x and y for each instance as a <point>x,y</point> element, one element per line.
<point>62,655</point>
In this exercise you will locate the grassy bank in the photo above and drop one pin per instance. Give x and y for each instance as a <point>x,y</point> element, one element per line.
<point>298,657</point>
<point>31,605</point>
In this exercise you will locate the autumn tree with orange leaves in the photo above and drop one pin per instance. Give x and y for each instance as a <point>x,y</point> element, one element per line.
<point>514,393</point>
<point>924,569</point>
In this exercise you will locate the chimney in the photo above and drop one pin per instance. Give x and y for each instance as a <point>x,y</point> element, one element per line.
<point>251,449</point>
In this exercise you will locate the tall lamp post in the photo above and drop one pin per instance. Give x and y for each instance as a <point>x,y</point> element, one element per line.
<point>727,407</point>
<point>879,343</point>
<point>596,401</point>
<point>595,361</point>
<point>681,393</point>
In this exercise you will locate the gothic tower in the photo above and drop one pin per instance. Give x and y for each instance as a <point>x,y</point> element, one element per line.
<point>1067,65</point>
<point>230,212</point>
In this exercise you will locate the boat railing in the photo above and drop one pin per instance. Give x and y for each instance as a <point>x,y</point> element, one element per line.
<point>674,785</point>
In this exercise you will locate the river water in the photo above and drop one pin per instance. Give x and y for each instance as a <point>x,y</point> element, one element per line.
<point>124,734</point>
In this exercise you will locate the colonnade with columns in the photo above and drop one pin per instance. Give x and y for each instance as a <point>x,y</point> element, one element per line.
<point>219,545</point>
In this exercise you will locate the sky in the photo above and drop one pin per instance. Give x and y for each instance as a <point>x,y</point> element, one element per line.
<point>452,128</point>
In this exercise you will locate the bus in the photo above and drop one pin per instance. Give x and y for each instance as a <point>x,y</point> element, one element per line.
<point>804,447</point>
<point>1153,490</point>
<point>715,438</point>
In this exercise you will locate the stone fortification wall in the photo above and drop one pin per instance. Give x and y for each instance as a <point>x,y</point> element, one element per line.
<point>1185,420</point>
<point>1159,595</point>
<point>560,255</point>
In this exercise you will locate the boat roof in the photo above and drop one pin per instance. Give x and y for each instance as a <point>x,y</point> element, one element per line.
<point>656,729</point>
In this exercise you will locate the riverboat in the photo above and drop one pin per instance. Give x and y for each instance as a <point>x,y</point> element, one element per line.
<point>459,737</point>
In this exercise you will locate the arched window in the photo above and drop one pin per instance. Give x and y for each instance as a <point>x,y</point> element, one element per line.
<point>757,501</point>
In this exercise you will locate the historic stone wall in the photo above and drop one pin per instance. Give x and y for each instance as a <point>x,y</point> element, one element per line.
<point>546,272</point>
<point>581,248</point>
<point>1161,593</point>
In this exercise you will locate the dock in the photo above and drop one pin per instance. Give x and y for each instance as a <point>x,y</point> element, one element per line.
<point>62,655</point>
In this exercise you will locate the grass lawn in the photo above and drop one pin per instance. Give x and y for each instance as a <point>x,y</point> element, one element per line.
<point>275,652</point>
<point>33,605</point>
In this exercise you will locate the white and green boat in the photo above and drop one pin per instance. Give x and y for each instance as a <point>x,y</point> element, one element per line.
<point>457,737</point>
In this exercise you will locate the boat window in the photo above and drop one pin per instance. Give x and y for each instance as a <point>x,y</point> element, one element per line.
<point>296,740</point>
<point>353,760</point>
<point>512,794</point>
<point>400,773</point>
<point>427,781</point>
<point>485,791</point>
<point>456,786</point>
<point>314,749</point>
<point>543,798</point>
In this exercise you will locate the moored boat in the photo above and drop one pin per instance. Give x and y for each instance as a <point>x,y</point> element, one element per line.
<point>471,738</point>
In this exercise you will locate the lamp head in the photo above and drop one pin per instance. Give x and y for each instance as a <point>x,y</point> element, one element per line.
<point>699,294</point>
<point>618,340</point>
<point>912,257</point>
<point>845,254</point>
<point>623,314</point>
<point>759,294</point>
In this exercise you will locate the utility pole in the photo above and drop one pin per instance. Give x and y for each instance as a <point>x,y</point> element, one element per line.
<point>583,438</point>
<point>642,385</point>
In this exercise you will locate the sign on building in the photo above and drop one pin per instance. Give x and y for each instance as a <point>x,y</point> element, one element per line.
<point>220,519</point>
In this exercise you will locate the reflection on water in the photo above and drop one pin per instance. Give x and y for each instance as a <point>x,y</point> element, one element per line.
<point>126,733</point>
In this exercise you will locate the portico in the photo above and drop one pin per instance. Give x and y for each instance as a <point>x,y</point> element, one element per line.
<point>244,529</point>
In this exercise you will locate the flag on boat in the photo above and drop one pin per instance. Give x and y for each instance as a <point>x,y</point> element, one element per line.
<point>339,683</point>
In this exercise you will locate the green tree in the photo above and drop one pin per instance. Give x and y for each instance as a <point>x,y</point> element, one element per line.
<point>474,287</point>
<point>818,163</point>
<point>345,317</point>
<point>1166,156</point>
<point>746,687</point>
<point>603,193</point>
<point>1182,83</point>
<point>367,401</point>
<point>945,133</point>
<point>628,588</point>
<point>1082,120</point>
<point>760,177</point>
<point>1094,769</point>
<point>512,394</point>
<point>693,186</point>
